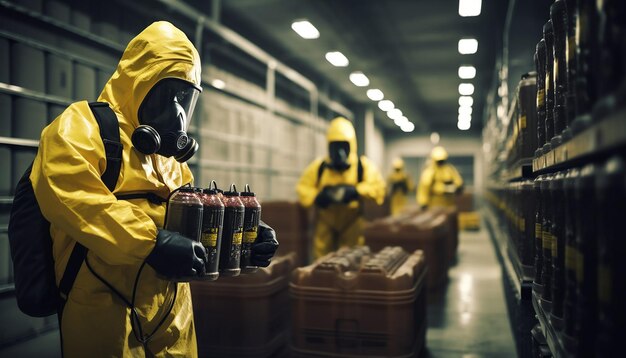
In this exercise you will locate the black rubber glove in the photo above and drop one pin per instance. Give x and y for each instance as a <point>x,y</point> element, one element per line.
<point>264,247</point>
<point>349,193</point>
<point>324,198</point>
<point>175,256</point>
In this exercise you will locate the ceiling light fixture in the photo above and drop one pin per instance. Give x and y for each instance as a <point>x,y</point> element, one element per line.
<point>217,83</point>
<point>305,29</point>
<point>466,101</point>
<point>375,94</point>
<point>337,59</point>
<point>466,89</point>
<point>400,121</point>
<point>465,110</point>
<point>394,113</point>
<point>465,117</point>
<point>467,72</point>
<point>464,125</point>
<point>385,105</point>
<point>468,46</point>
<point>359,79</point>
<point>469,8</point>
<point>408,127</point>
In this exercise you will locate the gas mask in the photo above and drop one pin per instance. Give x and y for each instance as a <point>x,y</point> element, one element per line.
<point>339,153</point>
<point>164,117</point>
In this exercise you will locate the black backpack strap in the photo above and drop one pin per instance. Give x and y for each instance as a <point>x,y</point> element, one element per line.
<point>323,165</point>
<point>320,171</point>
<point>110,133</point>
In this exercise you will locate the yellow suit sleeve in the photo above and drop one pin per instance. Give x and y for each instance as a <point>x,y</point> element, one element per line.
<point>306,187</point>
<point>373,185</point>
<point>456,177</point>
<point>423,188</point>
<point>66,180</point>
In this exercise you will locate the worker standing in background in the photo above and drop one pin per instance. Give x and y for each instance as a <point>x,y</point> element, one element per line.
<point>440,181</point>
<point>335,185</point>
<point>400,184</point>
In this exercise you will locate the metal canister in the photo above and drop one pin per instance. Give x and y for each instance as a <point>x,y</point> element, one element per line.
<point>586,263</point>
<point>251,219</point>
<point>540,65</point>
<point>537,282</point>
<point>571,257</point>
<point>184,213</point>
<point>558,15</point>
<point>611,291</point>
<point>230,252</point>
<point>547,239</point>
<point>212,228</point>
<point>548,35</point>
<point>558,249</point>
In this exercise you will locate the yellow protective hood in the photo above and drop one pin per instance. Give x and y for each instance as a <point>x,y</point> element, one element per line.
<point>342,130</point>
<point>439,153</point>
<point>160,51</point>
<point>398,163</point>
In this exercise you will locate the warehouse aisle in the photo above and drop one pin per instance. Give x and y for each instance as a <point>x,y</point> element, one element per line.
<point>470,319</point>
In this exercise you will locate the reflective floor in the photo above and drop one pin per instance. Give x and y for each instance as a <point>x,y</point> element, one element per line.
<point>469,320</point>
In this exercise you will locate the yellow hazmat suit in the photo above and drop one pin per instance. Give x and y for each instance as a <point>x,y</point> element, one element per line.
<point>340,224</point>
<point>119,234</point>
<point>400,184</point>
<point>439,182</point>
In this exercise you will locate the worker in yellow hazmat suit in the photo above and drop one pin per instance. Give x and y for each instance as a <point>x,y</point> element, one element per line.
<point>119,307</point>
<point>400,184</point>
<point>440,181</point>
<point>335,185</point>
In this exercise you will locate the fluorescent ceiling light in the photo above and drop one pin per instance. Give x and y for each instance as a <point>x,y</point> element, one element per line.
<point>359,79</point>
<point>375,94</point>
<point>394,113</point>
<point>385,105</point>
<point>465,117</point>
<point>408,127</point>
<point>469,7</point>
<point>468,46</point>
<point>467,72</point>
<point>305,29</point>
<point>217,83</point>
<point>466,101</point>
<point>466,89</point>
<point>464,125</point>
<point>400,121</point>
<point>465,110</point>
<point>337,59</point>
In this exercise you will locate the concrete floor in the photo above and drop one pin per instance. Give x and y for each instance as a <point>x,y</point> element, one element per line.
<point>468,320</point>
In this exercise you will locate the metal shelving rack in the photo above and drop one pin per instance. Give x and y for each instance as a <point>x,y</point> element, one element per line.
<point>600,138</point>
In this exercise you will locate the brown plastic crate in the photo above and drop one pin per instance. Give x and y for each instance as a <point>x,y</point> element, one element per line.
<point>373,211</point>
<point>465,201</point>
<point>452,228</point>
<point>244,316</point>
<point>351,303</point>
<point>427,231</point>
<point>292,224</point>
<point>294,242</point>
<point>286,215</point>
